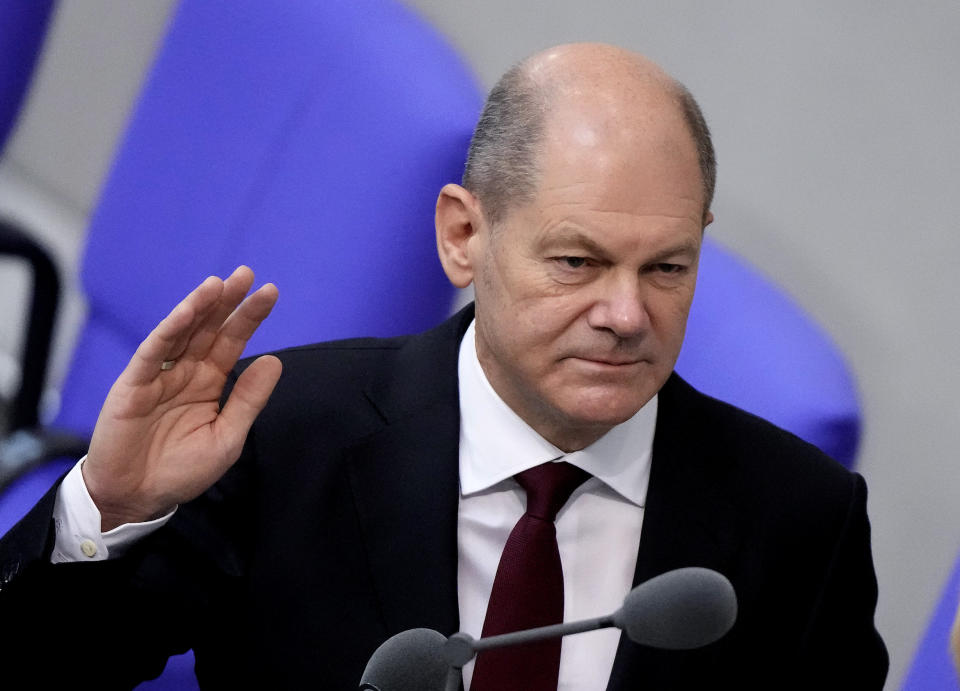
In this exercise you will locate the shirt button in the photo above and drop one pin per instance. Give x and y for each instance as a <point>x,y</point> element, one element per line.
<point>89,548</point>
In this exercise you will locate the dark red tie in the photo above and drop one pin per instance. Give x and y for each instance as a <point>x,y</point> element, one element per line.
<point>528,588</point>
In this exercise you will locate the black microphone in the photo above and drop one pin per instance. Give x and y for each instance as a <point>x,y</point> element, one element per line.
<point>677,610</point>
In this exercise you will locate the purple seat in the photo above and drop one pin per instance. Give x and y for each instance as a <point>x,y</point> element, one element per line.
<point>307,139</point>
<point>749,344</point>
<point>932,668</point>
<point>23,26</point>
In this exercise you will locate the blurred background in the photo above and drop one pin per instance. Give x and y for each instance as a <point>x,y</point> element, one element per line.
<point>839,164</point>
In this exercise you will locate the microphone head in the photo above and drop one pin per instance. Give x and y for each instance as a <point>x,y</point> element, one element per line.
<point>679,610</point>
<point>408,661</point>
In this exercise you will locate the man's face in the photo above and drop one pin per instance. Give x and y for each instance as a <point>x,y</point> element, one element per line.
<point>583,294</point>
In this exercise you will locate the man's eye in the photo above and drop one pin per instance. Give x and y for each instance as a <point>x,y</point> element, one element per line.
<point>574,262</point>
<point>669,268</point>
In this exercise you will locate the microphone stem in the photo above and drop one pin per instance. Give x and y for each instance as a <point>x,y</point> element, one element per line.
<point>539,634</point>
<point>460,648</point>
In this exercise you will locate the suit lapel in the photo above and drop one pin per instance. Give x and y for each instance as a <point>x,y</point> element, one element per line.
<point>689,520</point>
<point>405,481</point>
<point>406,487</point>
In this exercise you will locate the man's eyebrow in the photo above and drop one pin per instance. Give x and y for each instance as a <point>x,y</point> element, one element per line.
<point>688,247</point>
<point>572,236</point>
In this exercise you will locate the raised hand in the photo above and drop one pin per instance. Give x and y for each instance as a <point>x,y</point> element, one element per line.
<point>161,438</point>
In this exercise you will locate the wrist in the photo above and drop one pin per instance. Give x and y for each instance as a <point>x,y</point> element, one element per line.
<point>114,513</point>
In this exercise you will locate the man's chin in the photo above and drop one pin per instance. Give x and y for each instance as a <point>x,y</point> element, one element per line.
<point>604,410</point>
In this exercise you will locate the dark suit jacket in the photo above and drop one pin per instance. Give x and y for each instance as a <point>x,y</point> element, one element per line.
<point>337,529</point>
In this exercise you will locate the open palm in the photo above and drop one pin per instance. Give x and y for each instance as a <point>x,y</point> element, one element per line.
<point>161,438</point>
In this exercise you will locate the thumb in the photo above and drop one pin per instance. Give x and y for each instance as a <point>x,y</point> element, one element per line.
<point>246,400</point>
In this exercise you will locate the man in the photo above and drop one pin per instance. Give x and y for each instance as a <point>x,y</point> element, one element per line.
<point>375,491</point>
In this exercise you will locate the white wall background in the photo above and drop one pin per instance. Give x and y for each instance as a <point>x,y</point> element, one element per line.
<point>835,126</point>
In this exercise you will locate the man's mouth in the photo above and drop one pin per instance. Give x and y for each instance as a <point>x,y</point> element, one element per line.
<point>609,361</point>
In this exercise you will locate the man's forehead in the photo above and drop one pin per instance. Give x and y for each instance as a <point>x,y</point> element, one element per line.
<point>604,113</point>
<point>582,158</point>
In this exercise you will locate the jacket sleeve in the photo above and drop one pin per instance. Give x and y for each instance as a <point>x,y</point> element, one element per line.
<point>841,647</point>
<point>112,624</point>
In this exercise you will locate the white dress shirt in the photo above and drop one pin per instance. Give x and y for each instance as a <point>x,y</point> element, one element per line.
<point>76,520</point>
<point>598,531</point>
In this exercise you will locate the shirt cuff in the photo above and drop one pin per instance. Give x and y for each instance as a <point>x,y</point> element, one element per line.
<point>76,520</point>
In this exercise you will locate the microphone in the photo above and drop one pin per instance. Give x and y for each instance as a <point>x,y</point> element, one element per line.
<point>678,610</point>
<point>409,661</point>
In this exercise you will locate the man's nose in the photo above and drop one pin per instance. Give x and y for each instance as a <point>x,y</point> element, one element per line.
<point>619,307</point>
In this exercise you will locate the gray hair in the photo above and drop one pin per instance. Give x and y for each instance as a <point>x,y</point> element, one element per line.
<point>501,169</point>
<point>697,125</point>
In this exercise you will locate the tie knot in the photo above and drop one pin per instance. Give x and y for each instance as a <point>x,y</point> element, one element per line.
<point>549,486</point>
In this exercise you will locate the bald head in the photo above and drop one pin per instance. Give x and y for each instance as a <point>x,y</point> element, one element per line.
<point>579,96</point>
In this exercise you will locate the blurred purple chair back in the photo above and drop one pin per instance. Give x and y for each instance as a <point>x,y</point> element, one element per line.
<point>23,26</point>
<point>307,139</point>
<point>932,668</point>
<point>749,344</point>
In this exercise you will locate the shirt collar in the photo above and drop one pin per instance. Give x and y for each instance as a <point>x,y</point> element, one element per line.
<point>496,444</point>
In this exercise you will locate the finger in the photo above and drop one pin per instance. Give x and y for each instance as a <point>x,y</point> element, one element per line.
<point>235,287</point>
<point>240,326</point>
<point>162,343</point>
<point>246,400</point>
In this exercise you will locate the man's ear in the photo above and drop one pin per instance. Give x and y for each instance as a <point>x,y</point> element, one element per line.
<point>458,220</point>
